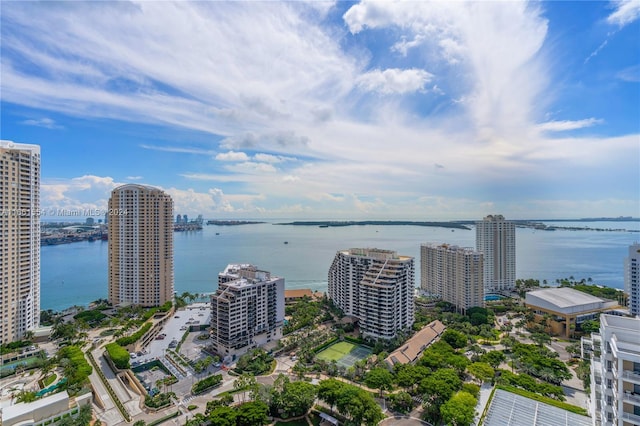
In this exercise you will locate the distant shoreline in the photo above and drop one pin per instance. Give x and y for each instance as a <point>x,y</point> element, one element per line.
<point>331,223</point>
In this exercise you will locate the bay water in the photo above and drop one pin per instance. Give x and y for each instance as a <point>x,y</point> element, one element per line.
<point>76,273</point>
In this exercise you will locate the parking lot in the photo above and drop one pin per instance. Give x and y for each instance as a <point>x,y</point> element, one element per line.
<point>192,315</point>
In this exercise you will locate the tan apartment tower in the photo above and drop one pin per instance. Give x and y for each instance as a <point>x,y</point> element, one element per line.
<point>496,239</point>
<point>376,287</point>
<point>20,241</point>
<point>453,273</point>
<point>140,246</point>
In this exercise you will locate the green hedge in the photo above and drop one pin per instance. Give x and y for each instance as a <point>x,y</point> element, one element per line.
<point>118,355</point>
<point>206,384</point>
<point>125,341</point>
<point>325,345</point>
<point>546,400</point>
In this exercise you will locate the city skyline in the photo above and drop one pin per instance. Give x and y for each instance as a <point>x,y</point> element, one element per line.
<point>331,110</point>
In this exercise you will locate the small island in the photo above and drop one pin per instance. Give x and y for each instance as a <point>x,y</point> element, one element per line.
<point>331,223</point>
<point>232,222</point>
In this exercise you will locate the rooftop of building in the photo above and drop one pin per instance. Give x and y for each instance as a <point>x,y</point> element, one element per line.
<point>450,247</point>
<point>626,323</point>
<point>11,412</point>
<point>298,293</point>
<point>564,297</point>
<point>509,409</point>
<point>413,347</point>
<point>375,253</point>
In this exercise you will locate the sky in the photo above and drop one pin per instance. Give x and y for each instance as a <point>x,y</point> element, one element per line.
<point>331,110</point>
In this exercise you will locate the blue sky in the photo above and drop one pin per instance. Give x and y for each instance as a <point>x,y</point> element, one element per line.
<point>407,110</point>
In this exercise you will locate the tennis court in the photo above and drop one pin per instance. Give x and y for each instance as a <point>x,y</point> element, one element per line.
<point>344,353</point>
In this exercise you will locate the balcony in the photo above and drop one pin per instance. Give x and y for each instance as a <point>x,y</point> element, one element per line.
<point>629,417</point>
<point>631,375</point>
<point>633,398</point>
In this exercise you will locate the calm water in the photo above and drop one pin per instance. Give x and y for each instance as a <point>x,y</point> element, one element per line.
<point>76,274</point>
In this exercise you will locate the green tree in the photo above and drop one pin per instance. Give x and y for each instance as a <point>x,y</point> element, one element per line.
<point>459,410</point>
<point>379,378</point>
<point>298,398</point>
<point>436,389</point>
<point>84,415</point>
<point>455,338</point>
<point>408,375</point>
<point>482,371</point>
<point>329,391</point>
<point>401,402</point>
<point>222,416</point>
<point>493,358</point>
<point>252,414</point>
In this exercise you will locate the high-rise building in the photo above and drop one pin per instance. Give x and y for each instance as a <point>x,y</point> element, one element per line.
<point>615,371</point>
<point>496,239</point>
<point>453,273</point>
<point>247,310</point>
<point>632,278</point>
<point>375,286</point>
<point>140,246</point>
<point>20,240</point>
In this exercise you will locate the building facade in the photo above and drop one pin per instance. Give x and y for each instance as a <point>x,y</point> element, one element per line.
<point>615,371</point>
<point>496,240</point>
<point>140,246</point>
<point>247,310</point>
<point>375,286</point>
<point>453,273</point>
<point>20,242</point>
<point>632,278</point>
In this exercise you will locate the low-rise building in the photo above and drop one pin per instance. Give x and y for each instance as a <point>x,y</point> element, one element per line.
<point>293,296</point>
<point>48,410</point>
<point>564,308</point>
<point>413,348</point>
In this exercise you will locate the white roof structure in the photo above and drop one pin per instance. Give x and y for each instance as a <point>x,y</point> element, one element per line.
<point>509,409</point>
<point>565,300</point>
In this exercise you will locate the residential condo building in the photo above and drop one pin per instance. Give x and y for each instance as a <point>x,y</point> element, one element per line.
<point>140,246</point>
<point>496,239</point>
<point>247,310</point>
<point>615,371</point>
<point>376,287</point>
<point>632,278</point>
<point>453,273</point>
<point>20,240</point>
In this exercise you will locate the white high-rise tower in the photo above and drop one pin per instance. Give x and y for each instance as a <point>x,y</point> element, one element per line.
<point>20,240</point>
<point>496,239</point>
<point>632,278</point>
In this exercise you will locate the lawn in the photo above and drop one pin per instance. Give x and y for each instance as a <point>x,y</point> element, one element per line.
<point>336,351</point>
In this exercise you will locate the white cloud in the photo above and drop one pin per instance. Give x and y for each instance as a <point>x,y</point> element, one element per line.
<point>564,125</point>
<point>251,167</point>
<point>403,46</point>
<point>394,81</point>
<point>47,123</point>
<point>630,74</point>
<point>232,156</point>
<point>178,149</point>
<point>134,177</point>
<point>626,11</point>
<point>268,158</point>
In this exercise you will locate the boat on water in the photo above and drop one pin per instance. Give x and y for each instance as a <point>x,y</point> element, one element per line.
<point>286,242</point>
